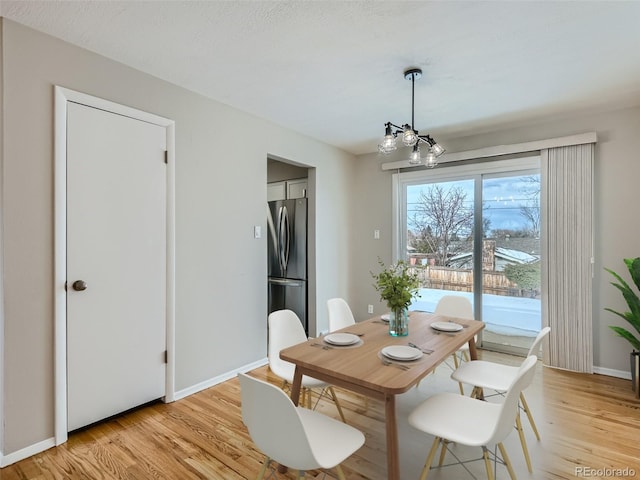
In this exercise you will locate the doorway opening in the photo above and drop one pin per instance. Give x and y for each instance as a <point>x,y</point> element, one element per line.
<point>291,239</point>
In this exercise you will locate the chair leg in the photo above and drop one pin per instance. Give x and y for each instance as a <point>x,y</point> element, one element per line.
<point>300,474</point>
<point>443,452</point>
<point>267,460</point>
<point>309,399</point>
<point>507,461</point>
<point>465,355</point>
<point>340,473</point>
<point>529,416</point>
<point>523,442</point>
<point>429,461</point>
<point>335,400</point>
<point>457,364</point>
<point>487,463</point>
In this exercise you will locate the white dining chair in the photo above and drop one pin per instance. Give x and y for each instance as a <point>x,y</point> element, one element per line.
<point>340,315</point>
<point>468,421</point>
<point>286,330</point>
<point>292,436</point>
<point>459,307</point>
<point>496,376</point>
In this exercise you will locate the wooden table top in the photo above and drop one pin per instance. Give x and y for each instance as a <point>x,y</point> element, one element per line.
<point>360,367</point>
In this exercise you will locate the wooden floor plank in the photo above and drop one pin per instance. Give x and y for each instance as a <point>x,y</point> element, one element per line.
<point>586,421</point>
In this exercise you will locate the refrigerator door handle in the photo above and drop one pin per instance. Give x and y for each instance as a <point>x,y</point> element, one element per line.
<point>279,245</point>
<point>285,252</point>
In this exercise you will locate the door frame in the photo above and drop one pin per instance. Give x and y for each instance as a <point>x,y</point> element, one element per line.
<point>62,97</point>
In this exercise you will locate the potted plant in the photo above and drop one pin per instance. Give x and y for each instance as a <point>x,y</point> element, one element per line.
<point>397,286</point>
<point>632,316</point>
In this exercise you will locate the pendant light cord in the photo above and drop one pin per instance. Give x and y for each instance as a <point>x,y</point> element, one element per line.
<point>413,89</point>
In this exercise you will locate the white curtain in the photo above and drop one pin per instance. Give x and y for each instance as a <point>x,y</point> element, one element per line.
<point>567,252</point>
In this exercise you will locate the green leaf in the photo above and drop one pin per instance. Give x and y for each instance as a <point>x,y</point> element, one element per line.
<point>396,284</point>
<point>633,264</point>
<point>631,298</point>
<point>628,335</point>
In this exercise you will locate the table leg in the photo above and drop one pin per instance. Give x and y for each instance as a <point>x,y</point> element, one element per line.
<point>473,355</point>
<point>473,352</point>
<point>393,462</point>
<point>296,386</point>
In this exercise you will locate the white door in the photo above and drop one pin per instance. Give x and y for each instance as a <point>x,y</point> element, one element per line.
<point>116,245</point>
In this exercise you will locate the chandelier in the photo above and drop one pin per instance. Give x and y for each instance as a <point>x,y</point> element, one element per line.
<point>410,136</point>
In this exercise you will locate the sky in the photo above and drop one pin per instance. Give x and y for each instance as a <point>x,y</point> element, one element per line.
<point>502,198</point>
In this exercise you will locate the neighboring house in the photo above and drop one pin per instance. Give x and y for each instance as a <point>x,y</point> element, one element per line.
<point>500,259</point>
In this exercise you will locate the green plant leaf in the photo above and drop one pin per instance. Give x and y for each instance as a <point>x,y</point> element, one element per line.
<point>624,333</point>
<point>631,298</point>
<point>396,284</point>
<point>633,264</point>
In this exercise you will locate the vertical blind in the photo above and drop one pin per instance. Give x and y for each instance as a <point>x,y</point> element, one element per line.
<point>567,253</point>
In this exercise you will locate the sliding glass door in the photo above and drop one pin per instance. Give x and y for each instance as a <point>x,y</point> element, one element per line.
<point>511,304</point>
<point>475,231</point>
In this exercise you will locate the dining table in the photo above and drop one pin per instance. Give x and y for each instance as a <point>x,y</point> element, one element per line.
<point>363,368</point>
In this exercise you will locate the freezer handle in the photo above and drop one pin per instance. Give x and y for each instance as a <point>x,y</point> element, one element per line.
<point>288,283</point>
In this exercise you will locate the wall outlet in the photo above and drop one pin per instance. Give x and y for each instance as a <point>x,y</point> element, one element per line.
<point>257,231</point>
<point>370,309</point>
<point>376,236</point>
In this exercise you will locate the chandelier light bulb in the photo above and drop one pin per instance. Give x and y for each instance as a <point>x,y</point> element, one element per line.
<point>388,144</point>
<point>409,136</point>
<point>414,156</point>
<point>430,160</point>
<point>437,149</point>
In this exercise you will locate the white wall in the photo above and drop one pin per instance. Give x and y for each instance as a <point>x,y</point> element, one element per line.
<point>617,230</point>
<point>220,195</point>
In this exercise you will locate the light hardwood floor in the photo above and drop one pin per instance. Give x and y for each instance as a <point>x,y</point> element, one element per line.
<point>588,422</point>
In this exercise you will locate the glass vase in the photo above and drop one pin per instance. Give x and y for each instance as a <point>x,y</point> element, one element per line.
<point>399,322</point>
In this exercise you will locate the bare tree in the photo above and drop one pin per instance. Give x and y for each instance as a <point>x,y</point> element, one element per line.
<point>441,218</point>
<point>531,210</point>
<point>531,213</point>
<point>532,188</point>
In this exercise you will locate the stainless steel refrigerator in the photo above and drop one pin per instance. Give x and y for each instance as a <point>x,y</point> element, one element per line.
<point>287,222</point>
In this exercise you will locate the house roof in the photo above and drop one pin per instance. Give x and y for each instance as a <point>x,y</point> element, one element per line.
<point>333,70</point>
<point>508,254</point>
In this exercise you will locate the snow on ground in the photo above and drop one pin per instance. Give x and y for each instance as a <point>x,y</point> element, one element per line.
<point>502,315</point>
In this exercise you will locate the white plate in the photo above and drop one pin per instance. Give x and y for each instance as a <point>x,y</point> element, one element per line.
<point>385,317</point>
<point>446,326</point>
<point>341,338</point>
<point>400,352</point>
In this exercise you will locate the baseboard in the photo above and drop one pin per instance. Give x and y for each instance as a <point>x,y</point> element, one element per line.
<point>612,373</point>
<point>219,379</point>
<point>26,452</point>
<point>6,460</point>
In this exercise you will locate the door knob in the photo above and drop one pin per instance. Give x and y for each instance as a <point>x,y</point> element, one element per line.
<point>79,285</point>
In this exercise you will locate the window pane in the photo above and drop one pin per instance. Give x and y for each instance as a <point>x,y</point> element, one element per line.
<point>511,302</point>
<point>440,223</point>
<point>441,220</point>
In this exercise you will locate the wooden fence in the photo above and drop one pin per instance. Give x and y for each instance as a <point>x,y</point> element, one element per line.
<point>443,278</point>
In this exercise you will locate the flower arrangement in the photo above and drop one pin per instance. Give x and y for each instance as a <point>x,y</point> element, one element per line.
<point>396,285</point>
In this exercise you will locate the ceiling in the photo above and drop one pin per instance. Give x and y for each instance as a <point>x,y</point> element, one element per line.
<point>333,70</point>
